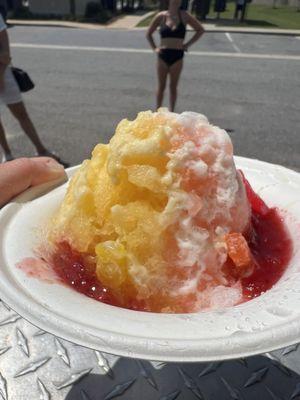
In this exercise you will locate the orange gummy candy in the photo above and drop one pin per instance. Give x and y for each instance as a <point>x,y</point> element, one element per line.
<point>239,252</point>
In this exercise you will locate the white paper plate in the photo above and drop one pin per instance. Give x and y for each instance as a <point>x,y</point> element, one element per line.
<point>268,322</point>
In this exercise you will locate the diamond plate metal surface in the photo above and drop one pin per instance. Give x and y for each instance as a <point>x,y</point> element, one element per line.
<point>36,365</point>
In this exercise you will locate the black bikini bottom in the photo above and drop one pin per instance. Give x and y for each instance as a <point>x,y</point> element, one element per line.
<point>170,56</point>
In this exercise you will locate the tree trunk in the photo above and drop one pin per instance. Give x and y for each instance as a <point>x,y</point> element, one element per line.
<point>73,8</point>
<point>201,8</point>
<point>16,4</point>
<point>163,5</point>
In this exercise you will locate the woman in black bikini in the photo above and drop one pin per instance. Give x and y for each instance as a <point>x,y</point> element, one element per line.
<point>172,25</point>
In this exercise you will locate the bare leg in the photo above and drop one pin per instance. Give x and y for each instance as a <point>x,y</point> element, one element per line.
<point>20,113</point>
<point>162,72</point>
<point>175,71</point>
<point>3,141</point>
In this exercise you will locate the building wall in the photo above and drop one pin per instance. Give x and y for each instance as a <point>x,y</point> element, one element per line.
<point>57,7</point>
<point>80,6</point>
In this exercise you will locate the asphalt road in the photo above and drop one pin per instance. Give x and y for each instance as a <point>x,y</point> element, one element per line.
<point>247,84</point>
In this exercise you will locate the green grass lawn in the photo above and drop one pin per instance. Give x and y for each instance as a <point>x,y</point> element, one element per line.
<point>257,15</point>
<point>146,21</point>
<point>261,16</point>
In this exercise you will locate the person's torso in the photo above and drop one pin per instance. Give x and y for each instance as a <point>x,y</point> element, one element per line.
<point>167,32</point>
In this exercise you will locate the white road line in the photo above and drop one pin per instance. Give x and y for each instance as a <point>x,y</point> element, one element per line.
<point>148,51</point>
<point>83,48</point>
<point>247,55</point>
<point>236,48</point>
<point>297,37</point>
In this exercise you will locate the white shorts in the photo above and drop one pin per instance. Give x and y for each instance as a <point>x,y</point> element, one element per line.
<point>11,93</point>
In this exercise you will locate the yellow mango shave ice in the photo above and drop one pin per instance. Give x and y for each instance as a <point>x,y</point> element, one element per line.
<point>148,222</point>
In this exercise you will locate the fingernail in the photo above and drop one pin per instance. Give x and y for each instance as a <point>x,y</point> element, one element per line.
<point>55,167</point>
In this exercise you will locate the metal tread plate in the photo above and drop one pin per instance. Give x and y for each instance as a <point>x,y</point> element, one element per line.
<point>35,365</point>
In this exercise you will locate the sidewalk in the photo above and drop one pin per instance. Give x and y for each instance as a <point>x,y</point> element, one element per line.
<point>122,22</point>
<point>131,21</point>
<point>128,21</point>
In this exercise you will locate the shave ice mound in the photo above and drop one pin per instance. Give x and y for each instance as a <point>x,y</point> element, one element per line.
<point>160,220</point>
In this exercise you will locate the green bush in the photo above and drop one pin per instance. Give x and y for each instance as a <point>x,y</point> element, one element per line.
<point>94,12</point>
<point>92,9</point>
<point>22,13</point>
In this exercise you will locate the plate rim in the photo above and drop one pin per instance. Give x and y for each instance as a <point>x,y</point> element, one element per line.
<point>35,313</point>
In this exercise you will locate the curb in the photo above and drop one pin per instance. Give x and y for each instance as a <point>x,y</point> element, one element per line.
<point>55,24</point>
<point>207,27</point>
<point>128,21</point>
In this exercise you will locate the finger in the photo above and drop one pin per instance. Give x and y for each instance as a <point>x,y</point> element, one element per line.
<point>18,175</point>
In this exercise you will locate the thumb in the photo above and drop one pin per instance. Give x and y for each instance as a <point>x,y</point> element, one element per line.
<point>18,175</point>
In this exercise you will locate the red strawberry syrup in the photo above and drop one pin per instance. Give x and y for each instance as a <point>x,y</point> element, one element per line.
<point>74,271</point>
<point>269,241</point>
<point>270,245</point>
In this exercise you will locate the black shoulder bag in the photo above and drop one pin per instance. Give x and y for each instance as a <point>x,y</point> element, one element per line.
<point>23,79</point>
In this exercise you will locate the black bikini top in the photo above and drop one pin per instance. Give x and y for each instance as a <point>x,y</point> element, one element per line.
<point>178,32</point>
